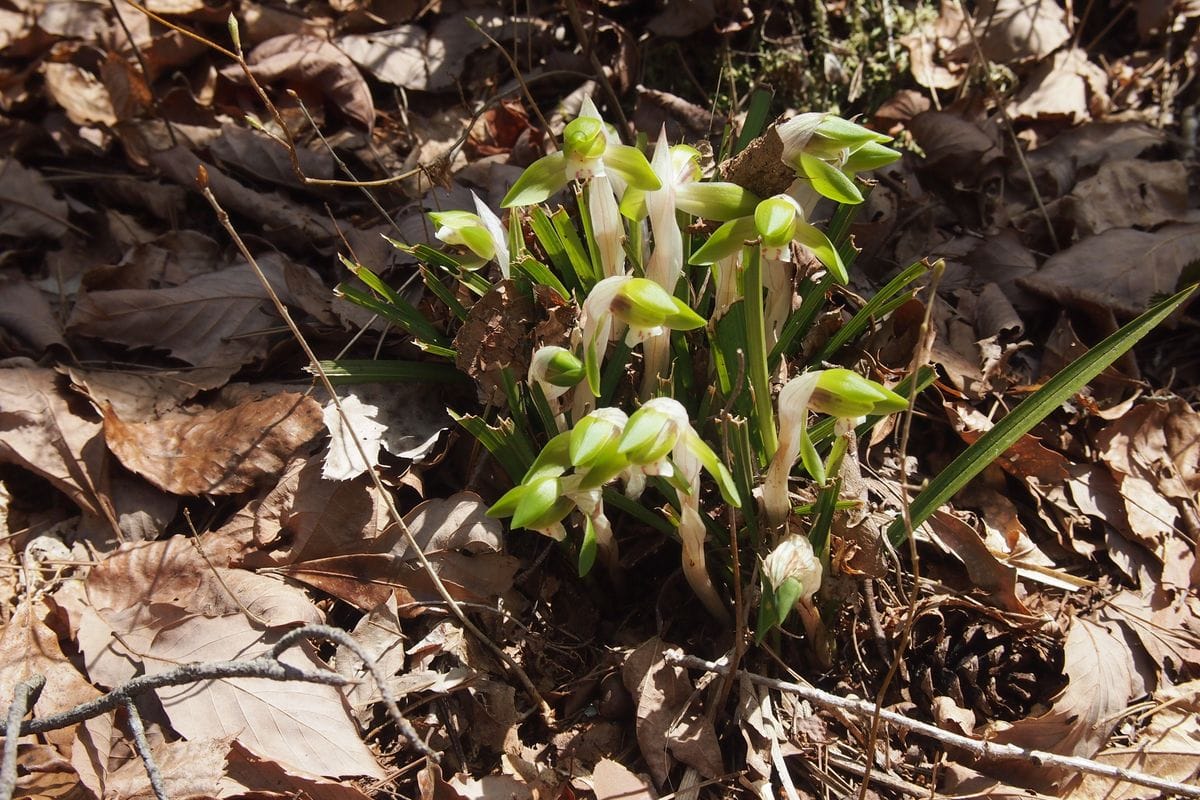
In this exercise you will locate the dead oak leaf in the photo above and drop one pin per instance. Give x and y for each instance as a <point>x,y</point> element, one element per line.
<point>1121,270</point>
<point>216,452</point>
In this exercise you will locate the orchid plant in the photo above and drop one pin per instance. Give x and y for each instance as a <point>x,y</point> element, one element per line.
<point>680,285</point>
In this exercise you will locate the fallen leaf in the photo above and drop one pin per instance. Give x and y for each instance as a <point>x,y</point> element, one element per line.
<point>170,606</point>
<point>937,50</point>
<point>1056,165</point>
<point>986,572</point>
<point>250,775</point>
<point>187,769</point>
<point>216,452</point>
<point>1027,458</point>
<point>264,158</point>
<point>138,396</point>
<point>1129,193</point>
<point>1065,86</point>
<point>1165,748</point>
<point>668,724</point>
<point>308,62</point>
<point>1121,270</point>
<point>25,312</point>
<point>209,321</point>
<point>378,632</point>
<point>1015,30</point>
<point>28,205</point>
<point>28,647</point>
<point>354,435</point>
<point>612,781</point>
<point>80,94</point>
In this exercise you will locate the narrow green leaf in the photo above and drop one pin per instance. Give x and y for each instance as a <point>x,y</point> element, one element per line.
<point>349,371</point>
<point>498,441</point>
<point>756,119</point>
<point>587,548</point>
<point>874,309</point>
<point>1030,412</point>
<point>541,275</point>
<point>581,262</point>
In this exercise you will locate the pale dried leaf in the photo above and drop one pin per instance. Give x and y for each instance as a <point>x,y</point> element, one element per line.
<point>1121,270</point>
<point>612,781</point>
<point>354,433</point>
<point>936,50</point>
<point>1166,748</point>
<point>28,205</point>
<point>80,93</point>
<point>222,452</point>
<point>379,634</point>
<point>208,321</point>
<point>1015,30</point>
<point>257,154</point>
<point>250,775</point>
<point>188,769</point>
<point>1067,86</point>
<point>136,396</point>
<point>395,56</point>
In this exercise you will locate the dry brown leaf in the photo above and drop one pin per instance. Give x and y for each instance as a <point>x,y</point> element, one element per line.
<point>177,608</point>
<point>216,452</point>
<point>1016,30</point>
<point>188,770</point>
<point>379,634</point>
<point>1056,165</point>
<point>24,311</point>
<point>307,62</point>
<point>1066,86</point>
<point>1129,193</point>
<point>137,397</point>
<point>29,647</point>
<point>954,144</point>
<point>354,435</point>
<point>669,726</point>
<point>44,774</point>
<point>307,514</point>
<point>1121,270</point>
<point>54,435</point>
<point>1168,630</point>
<point>986,572</point>
<point>612,781</point>
<point>264,158</point>
<point>1165,748</point>
<point>209,321</point>
<point>464,546</point>
<point>28,206</point>
<point>1028,458</point>
<point>1102,679</point>
<point>80,93</point>
<point>938,51</point>
<point>250,775</point>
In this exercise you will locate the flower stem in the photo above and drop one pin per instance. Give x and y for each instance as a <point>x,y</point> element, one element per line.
<point>756,343</point>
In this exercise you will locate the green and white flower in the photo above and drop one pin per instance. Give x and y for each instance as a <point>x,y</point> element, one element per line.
<point>827,153</point>
<point>482,234</point>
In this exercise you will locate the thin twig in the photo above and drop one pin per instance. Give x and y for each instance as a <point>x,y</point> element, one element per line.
<point>396,518</point>
<point>980,748</point>
<point>512,64</point>
<point>137,53</point>
<point>142,745</point>
<point>24,696</point>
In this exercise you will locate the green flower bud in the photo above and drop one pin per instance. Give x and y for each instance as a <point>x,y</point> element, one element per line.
<point>792,569</point>
<point>556,366</point>
<point>869,156</point>
<point>844,393</point>
<point>542,505</point>
<point>642,303</point>
<point>653,430</point>
<point>776,219</point>
<point>594,434</point>
<point>466,229</point>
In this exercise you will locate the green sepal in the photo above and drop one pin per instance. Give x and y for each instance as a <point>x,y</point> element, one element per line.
<point>542,505</point>
<point>553,461</point>
<point>642,303</point>
<point>605,466</point>
<point>786,596</point>
<point>847,133</point>
<point>725,241</point>
<point>716,468</point>
<point>829,181</point>
<point>809,458</point>
<point>587,548</point>
<point>469,228</point>
<point>717,200</point>
<point>633,204</point>
<point>869,156</point>
<point>591,363</point>
<point>507,504</point>
<point>589,438</point>
<point>812,238</point>
<point>540,179</point>
<point>630,164</point>
<point>775,220</point>
<point>684,317</point>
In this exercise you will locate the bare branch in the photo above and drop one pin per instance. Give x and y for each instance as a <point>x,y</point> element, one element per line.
<point>142,745</point>
<point>981,749</point>
<point>24,696</point>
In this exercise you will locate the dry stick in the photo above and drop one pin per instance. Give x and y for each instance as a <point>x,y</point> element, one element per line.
<point>598,68</point>
<point>921,357</point>
<point>266,666</point>
<point>397,519</point>
<point>980,748</point>
<point>142,745</point>
<point>24,696</point>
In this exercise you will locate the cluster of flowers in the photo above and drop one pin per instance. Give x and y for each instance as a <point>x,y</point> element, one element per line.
<point>627,194</point>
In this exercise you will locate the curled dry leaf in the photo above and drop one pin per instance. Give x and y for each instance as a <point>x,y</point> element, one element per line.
<point>216,452</point>
<point>354,435</point>
<point>80,93</point>
<point>1066,86</point>
<point>1015,30</point>
<point>308,62</point>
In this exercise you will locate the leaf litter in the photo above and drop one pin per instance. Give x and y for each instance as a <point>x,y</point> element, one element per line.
<point>123,315</point>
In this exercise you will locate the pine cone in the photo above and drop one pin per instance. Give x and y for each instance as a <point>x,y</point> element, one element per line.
<point>982,662</point>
